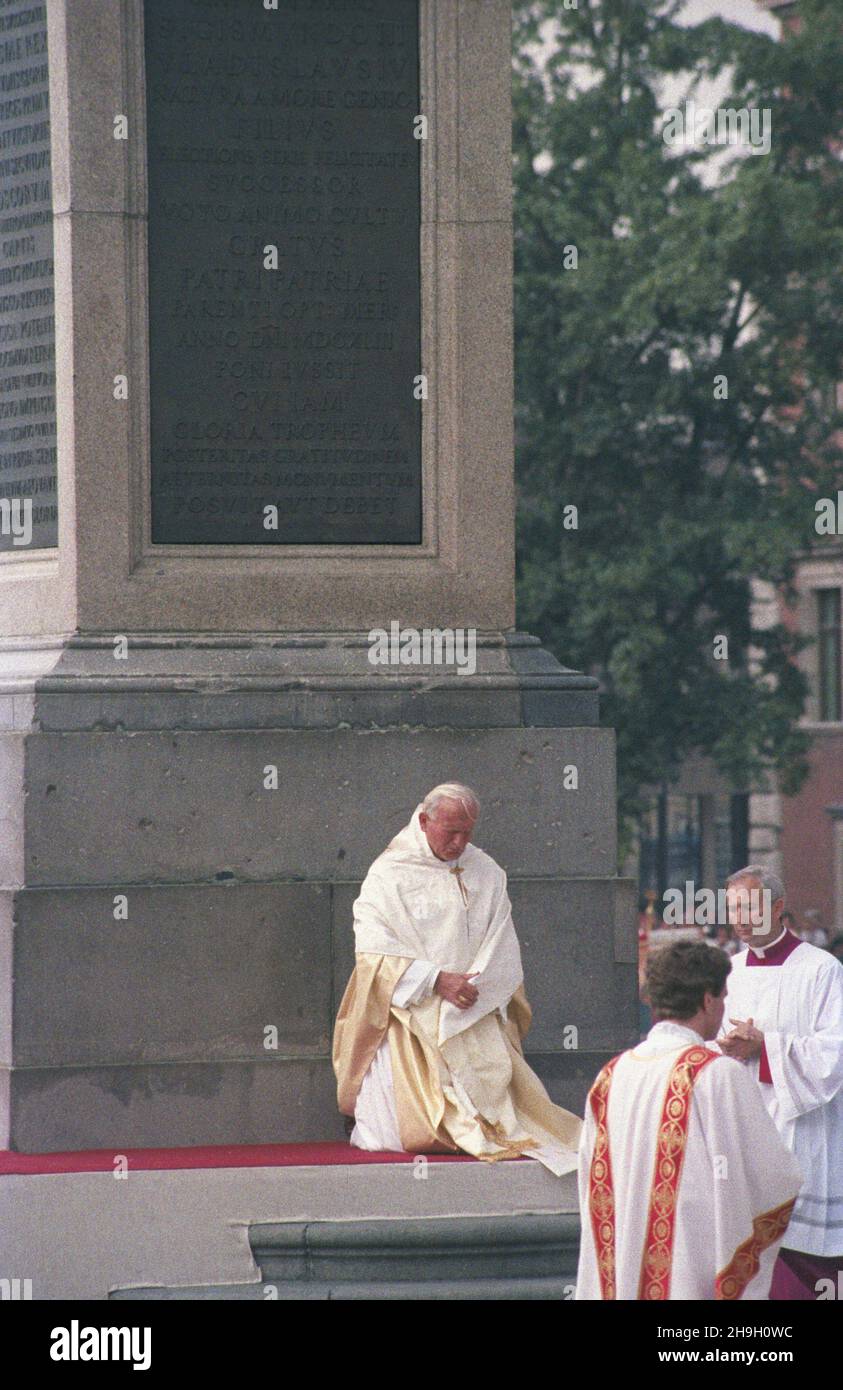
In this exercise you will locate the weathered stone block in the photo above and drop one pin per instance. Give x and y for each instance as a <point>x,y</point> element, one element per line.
<point>194,974</point>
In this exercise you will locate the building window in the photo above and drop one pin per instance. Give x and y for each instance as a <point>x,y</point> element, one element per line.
<point>828,630</point>
<point>670,843</point>
<point>731,828</point>
<point>673,844</point>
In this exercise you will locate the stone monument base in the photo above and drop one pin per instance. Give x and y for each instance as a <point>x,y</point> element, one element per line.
<point>185,834</point>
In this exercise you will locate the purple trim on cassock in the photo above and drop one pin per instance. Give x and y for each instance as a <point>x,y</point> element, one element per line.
<point>774,955</point>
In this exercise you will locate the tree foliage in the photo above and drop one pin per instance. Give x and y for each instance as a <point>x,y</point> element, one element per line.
<point>682,276</point>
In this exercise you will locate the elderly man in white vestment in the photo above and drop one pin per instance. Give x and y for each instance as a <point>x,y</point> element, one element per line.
<point>427,1045</point>
<point>685,1186</point>
<point>785,1024</point>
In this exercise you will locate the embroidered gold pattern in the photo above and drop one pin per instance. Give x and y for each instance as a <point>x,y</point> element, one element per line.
<point>657,1259</point>
<point>601,1196</point>
<point>767,1228</point>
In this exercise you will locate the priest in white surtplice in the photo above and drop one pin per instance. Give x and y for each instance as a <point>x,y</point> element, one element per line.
<point>784,1022</point>
<point>427,1045</point>
<point>686,1188</point>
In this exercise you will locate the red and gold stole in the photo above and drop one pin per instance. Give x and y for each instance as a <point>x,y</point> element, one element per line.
<point>670,1152</point>
<point>601,1195</point>
<point>770,1226</point>
<point>657,1261</point>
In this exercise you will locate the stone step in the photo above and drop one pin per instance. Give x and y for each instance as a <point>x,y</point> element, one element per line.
<point>444,1248</point>
<point>434,1289</point>
<point>525,1256</point>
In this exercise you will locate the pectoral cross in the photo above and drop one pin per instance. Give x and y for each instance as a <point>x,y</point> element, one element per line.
<point>456,869</point>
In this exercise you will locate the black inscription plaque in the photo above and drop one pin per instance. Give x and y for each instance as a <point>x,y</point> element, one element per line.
<point>27,323</point>
<point>288,387</point>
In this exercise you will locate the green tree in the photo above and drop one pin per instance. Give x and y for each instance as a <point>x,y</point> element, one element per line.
<point>683,276</point>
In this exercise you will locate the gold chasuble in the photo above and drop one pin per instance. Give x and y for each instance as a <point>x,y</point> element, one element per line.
<point>449,1080</point>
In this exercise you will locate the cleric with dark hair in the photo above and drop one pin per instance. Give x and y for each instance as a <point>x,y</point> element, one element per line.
<point>685,1186</point>
<point>678,977</point>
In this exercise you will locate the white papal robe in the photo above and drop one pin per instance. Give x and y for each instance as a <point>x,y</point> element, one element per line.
<point>685,1186</point>
<point>419,1074</point>
<point>798,1006</point>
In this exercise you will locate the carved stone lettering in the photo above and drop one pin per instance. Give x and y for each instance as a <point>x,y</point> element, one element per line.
<point>27,324</point>
<point>283,386</point>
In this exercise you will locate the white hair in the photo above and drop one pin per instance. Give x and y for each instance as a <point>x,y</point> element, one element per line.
<point>452,791</point>
<point>764,876</point>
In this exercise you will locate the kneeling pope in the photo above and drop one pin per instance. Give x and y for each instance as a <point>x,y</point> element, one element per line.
<point>427,1045</point>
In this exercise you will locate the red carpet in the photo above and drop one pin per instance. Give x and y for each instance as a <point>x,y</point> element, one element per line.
<point>210,1156</point>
